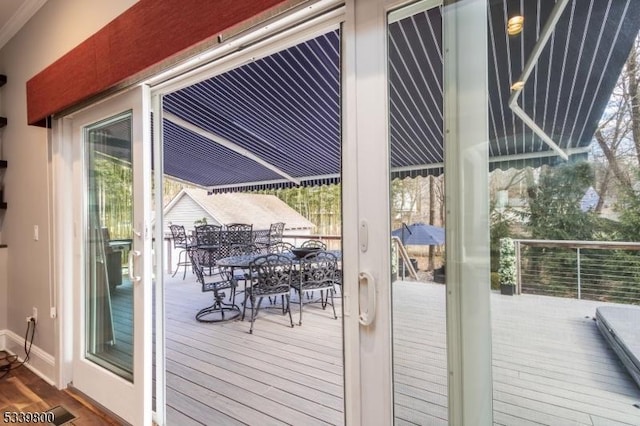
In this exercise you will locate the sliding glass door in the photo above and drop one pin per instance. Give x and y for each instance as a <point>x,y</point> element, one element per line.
<point>417,341</point>
<point>112,333</point>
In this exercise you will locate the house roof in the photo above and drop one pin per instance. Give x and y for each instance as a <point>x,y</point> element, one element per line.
<point>261,210</point>
<point>284,109</point>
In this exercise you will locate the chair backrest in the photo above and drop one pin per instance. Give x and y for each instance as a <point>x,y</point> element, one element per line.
<point>196,262</point>
<point>239,227</point>
<point>203,258</point>
<point>219,277</point>
<point>314,244</point>
<point>275,232</point>
<point>271,274</point>
<point>319,270</point>
<point>179,236</point>
<point>281,247</point>
<point>238,236</point>
<point>208,235</point>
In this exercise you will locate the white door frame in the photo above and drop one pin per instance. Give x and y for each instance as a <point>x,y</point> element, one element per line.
<point>466,125</point>
<point>67,162</point>
<point>368,354</point>
<point>259,43</point>
<point>160,412</point>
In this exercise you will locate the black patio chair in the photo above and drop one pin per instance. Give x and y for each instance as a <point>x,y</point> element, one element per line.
<point>270,276</point>
<point>314,244</point>
<point>266,238</point>
<point>239,236</point>
<point>318,272</point>
<point>239,274</point>
<point>183,242</point>
<point>275,233</point>
<point>281,247</point>
<point>220,280</point>
<point>207,237</point>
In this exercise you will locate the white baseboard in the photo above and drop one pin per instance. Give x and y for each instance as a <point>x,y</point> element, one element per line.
<point>40,362</point>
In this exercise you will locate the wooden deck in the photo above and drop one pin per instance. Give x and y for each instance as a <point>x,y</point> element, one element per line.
<point>550,364</point>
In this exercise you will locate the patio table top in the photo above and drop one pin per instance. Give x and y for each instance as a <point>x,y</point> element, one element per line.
<point>242,261</point>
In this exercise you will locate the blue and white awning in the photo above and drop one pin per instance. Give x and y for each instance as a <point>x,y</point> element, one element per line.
<point>276,121</point>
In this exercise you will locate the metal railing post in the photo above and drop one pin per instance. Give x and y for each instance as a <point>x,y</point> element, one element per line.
<point>579,278</point>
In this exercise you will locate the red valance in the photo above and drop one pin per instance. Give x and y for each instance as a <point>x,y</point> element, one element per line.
<point>145,34</point>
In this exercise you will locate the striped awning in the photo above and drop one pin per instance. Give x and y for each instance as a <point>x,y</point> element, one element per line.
<point>276,121</point>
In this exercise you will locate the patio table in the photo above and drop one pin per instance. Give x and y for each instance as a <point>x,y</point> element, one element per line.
<point>242,261</point>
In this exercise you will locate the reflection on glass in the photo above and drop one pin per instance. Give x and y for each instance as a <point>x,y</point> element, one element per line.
<point>565,219</point>
<point>108,218</point>
<point>417,214</point>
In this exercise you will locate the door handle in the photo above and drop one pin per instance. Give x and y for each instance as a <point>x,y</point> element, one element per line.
<point>132,254</point>
<point>366,318</point>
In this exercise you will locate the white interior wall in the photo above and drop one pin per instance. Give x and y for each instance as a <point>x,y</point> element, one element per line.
<point>59,26</point>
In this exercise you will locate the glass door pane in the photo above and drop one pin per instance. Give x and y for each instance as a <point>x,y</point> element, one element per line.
<point>113,277</point>
<point>109,216</point>
<point>417,214</point>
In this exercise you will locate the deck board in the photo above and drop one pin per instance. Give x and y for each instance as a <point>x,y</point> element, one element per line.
<point>550,364</point>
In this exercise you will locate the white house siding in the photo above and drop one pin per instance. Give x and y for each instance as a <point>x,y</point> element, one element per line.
<point>185,212</point>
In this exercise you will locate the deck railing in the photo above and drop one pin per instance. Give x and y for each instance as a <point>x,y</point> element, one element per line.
<point>333,242</point>
<point>592,270</point>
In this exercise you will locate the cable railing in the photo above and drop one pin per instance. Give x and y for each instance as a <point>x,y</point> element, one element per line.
<point>591,270</point>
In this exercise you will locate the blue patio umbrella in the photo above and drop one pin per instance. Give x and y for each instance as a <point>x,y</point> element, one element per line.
<point>420,234</point>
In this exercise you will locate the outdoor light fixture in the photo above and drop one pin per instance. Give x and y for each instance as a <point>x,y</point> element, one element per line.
<point>514,25</point>
<point>518,85</point>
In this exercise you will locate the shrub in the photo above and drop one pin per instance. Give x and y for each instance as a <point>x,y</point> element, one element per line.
<point>507,269</point>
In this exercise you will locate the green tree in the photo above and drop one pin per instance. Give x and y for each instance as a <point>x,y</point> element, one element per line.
<point>554,203</point>
<point>629,207</point>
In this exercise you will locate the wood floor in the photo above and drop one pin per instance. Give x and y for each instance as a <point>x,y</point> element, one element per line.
<point>550,364</point>
<point>23,391</point>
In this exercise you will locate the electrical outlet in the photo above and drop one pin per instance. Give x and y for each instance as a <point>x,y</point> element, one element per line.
<point>34,315</point>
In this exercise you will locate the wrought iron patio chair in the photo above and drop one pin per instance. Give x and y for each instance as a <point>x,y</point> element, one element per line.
<point>314,244</point>
<point>239,234</point>
<point>275,233</point>
<point>183,242</point>
<point>239,274</point>
<point>208,238</point>
<point>220,280</point>
<point>238,240</point>
<point>270,276</point>
<point>281,247</point>
<point>318,272</point>
<point>267,238</point>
